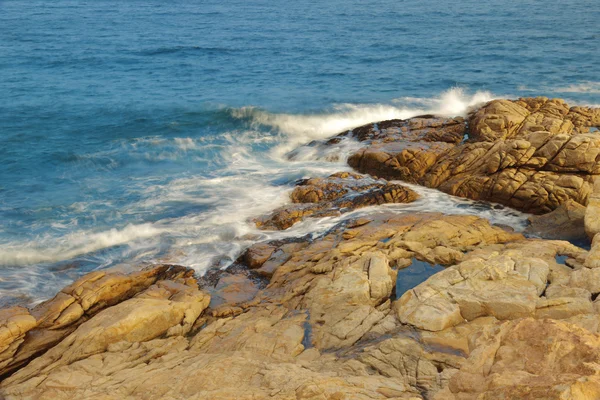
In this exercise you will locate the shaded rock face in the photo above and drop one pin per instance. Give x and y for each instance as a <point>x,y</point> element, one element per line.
<point>531,154</point>
<point>332,196</point>
<point>565,222</point>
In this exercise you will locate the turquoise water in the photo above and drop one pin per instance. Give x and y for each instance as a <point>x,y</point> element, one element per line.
<point>136,132</point>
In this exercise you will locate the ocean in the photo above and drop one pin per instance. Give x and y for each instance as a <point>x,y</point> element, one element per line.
<point>139,132</point>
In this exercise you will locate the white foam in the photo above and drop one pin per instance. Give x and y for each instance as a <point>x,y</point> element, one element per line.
<point>302,128</point>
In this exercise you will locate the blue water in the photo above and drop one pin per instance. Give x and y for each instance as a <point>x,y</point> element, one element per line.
<point>136,132</point>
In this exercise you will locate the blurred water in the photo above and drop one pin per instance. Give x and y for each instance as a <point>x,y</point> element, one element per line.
<point>151,131</point>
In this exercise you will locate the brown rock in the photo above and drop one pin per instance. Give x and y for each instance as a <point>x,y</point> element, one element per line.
<point>529,359</point>
<point>166,308</point>
<point>564,223</point>
<point>505,283</point>
<point>592,212</point>
<point>332,196</point>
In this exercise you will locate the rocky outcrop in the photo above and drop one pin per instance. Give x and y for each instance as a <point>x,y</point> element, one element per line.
<point>332,196</point>
<point>531,154</point>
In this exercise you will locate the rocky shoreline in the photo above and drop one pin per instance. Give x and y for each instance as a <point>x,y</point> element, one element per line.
<point>384,306</point>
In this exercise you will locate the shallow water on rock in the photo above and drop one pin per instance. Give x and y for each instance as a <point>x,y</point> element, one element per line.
<point>416,273</point>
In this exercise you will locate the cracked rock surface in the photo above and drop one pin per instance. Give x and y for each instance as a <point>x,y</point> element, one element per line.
<point>532,154</point>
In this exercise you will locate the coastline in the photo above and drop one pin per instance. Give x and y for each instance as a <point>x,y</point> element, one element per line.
<point>321,318</point>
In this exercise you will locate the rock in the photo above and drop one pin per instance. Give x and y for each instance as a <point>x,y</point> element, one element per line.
<point>593,258</point>
<point>232,289</point>
<point>165,308</point>
<point>517,360</point>
<point>256,255</point>
<point>29,333</point>
<point>326,294</point>
<point>506,283</point>
<point>530,154</point>
<point>332,196</point>
<point>592,212</point>
<point>341,280</point>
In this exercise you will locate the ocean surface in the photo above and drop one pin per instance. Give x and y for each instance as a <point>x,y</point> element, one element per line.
<point>151,131</point>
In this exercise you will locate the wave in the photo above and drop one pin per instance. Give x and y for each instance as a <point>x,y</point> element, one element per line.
<point>584,87</point>
<point>47,250</point>
<point>302,128</point>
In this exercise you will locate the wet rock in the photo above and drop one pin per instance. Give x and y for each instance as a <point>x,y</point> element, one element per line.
<point>332,196</point>
<point>232,289</point>
<point>256,255</point>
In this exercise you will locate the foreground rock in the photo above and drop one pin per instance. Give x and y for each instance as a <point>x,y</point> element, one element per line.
<point>328,325</point>
<point>532,154</point>
<point>328,294</point>
<point>24,334</point>
<point>332,196</point>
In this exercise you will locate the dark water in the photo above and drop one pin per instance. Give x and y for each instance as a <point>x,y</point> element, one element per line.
<point>413,275</point>
<point>142,131</point>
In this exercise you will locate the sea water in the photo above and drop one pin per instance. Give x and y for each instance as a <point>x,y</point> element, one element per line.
<point>152,131</point>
